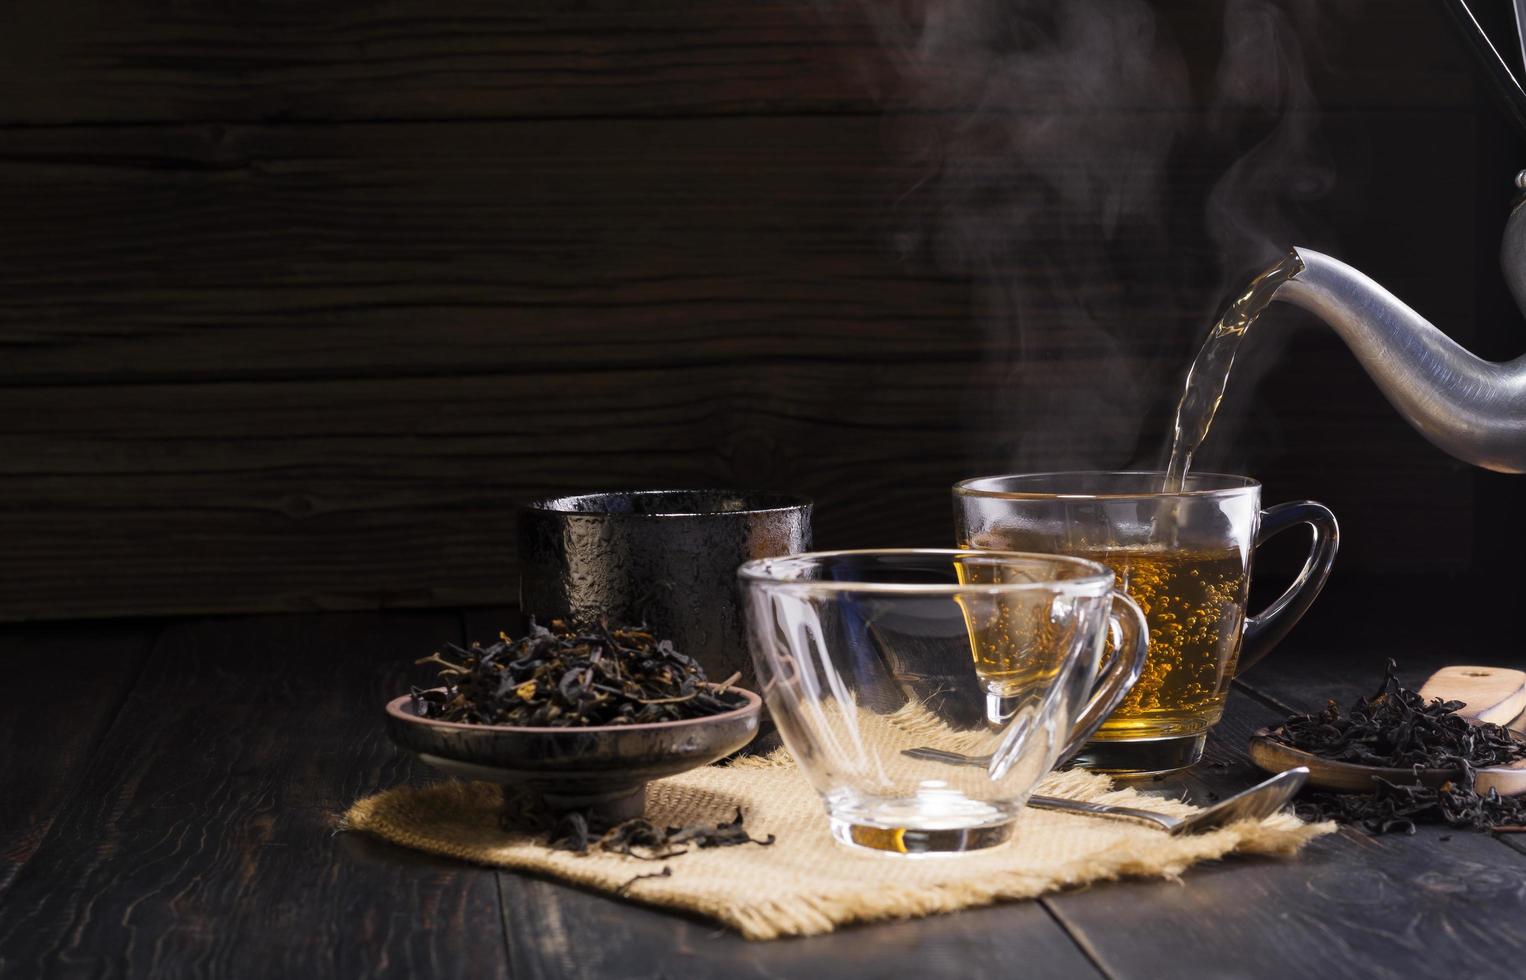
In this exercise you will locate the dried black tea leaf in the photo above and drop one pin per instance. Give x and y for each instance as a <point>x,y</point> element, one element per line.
<point>666,872</point>
<point>721,835</point>
<point>637,837</point>
<point>1397,729</point>
<point>570,833</point>
<point>562,677</point>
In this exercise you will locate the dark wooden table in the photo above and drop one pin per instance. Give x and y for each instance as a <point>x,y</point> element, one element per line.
<point>169,791</point>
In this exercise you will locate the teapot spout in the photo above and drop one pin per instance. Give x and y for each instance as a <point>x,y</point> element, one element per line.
<point>1471,408</point>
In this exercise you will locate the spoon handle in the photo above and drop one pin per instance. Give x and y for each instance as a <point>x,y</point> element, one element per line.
<point>1104,810</point>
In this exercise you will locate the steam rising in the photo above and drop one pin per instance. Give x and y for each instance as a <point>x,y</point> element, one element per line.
<point>1067,148</point>
<point>1251,209</point>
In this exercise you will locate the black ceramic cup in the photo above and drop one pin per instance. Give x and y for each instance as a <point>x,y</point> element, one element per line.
<point>667,558</point>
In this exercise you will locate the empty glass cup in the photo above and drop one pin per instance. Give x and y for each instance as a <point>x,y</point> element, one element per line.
<point>925,692</point>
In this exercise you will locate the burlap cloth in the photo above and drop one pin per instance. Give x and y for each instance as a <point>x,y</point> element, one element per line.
<point>807,883</point>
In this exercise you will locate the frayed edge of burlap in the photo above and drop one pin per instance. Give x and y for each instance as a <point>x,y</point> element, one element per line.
<point>813,914</point>
<point>808,915</point>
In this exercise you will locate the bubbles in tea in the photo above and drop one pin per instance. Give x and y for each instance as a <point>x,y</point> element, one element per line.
<point>1194,602</point>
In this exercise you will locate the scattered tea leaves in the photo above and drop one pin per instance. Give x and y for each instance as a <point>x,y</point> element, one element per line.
<point>640,838</point>
<point>1402,806</point>
<point>722,835</point>
<point>564,677</point>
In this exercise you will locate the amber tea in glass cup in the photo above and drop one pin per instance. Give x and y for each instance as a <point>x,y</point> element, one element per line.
<point>1185,557</point>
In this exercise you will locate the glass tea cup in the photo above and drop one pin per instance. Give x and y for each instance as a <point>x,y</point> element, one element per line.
<point>925,692</point>
<point>1185,557</point>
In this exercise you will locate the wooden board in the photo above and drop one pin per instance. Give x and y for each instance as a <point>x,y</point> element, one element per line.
<point>558,940</point>
<point>314,389</point>
<point>1496,695</point>
<point>64,685</point>
<point>74,61</point>
<point>402,492</point>
<point>217,253</point>
<point>297,328</point>
<point>1360,897</point>
<point>200,841</point>
<point>1350,906</point>
<point>205,838</point>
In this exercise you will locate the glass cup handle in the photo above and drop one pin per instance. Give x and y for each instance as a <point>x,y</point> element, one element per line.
<point>1266,630</point>
<point>1130,634</point>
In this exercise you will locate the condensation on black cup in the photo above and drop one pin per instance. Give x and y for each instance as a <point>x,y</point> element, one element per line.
<point>666,558</point>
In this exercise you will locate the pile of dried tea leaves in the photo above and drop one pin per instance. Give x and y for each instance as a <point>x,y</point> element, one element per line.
<point>566,677</point>
<point>1397,729</point>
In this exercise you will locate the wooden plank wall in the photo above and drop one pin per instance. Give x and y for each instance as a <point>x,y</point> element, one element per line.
<point>298,301</point>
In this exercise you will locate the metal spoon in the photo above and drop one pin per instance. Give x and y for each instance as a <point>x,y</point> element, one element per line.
<point>1261,800</point>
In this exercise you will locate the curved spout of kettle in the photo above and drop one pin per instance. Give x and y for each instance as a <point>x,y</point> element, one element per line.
<point>1471,408</point>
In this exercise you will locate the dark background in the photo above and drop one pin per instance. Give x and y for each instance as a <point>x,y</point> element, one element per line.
<point>298,301</point>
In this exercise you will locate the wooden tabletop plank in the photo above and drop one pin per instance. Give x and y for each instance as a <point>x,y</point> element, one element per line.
<point>1442,901</point>
<point>559,931</point>
<point>556,931</point>
<point>65,684</point>
<point>1350,905</point>
<point>206,843</point>
<point>199,839</point>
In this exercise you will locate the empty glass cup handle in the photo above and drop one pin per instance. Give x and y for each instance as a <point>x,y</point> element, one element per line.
<point>1264,631</point>
<point>1130,634</point>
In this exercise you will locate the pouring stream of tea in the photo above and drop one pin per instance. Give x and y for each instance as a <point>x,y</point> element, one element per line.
<point>1209,374</point>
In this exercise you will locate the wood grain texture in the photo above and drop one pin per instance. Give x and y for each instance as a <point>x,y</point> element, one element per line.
<point>276,368</point>
<point>556,931</point>
<point>401,492</point>
<point>205,843</point>
<point>1491,695</point>
<point>213,253</point>
<point>65,684</point>
<point>298,304</point>
<point>1350,905</point>
<point>86,60</point>
<point>272,253</point>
